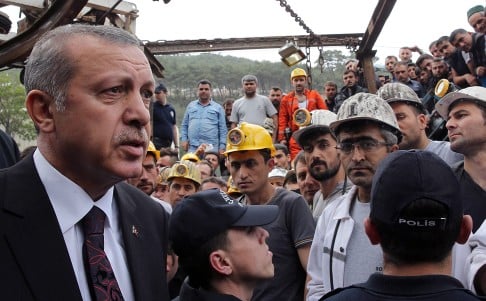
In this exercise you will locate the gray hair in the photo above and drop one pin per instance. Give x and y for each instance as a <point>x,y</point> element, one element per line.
<point>50,69</point>
<point>249,78</point>
<point>388,136</point>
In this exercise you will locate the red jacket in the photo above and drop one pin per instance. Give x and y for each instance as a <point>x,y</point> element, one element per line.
<point>290,104</point>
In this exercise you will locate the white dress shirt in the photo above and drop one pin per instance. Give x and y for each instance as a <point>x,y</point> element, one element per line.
<point>71,203</point>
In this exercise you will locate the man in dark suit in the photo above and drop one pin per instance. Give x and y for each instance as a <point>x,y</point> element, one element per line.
<point>86,87</point>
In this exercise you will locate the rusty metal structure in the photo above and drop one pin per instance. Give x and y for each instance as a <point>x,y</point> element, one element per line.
<point>43,15</point>
<point>163,47</point>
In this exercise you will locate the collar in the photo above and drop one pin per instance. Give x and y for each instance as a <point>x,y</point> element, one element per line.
<point>70,202</point>
<point>344,205</point>
<point>204,105</point>
<point>411,285</point>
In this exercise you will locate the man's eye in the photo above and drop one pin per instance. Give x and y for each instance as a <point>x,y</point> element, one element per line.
<point>308,148</point>
<point>147,94</point>
<point>323,145</point>
<point>367,145</point>
<point>346,147</point>
<point>250,164</point>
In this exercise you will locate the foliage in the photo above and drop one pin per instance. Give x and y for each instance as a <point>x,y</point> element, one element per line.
<point>183,71</point>
<point>13,115</point>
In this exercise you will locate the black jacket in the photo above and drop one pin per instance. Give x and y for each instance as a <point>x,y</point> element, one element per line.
<point>189,293</point>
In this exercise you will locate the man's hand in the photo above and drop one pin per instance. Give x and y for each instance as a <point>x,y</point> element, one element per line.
<point>185,145</point>
<point>471,79</point>
<point>481,71</point>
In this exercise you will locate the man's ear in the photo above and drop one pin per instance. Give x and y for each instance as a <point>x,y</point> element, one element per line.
<point>423,120</point>
<point>371,232</point>
<point>465,231</point>
<point>394,148</point>
<point>270,164</point>
<point>220,262</point>
<point>40,107</point>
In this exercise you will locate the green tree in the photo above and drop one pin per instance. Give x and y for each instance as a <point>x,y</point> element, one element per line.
<point>13,115</point>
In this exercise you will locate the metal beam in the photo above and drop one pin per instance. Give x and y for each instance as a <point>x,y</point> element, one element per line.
<point>365,51</point>
<point>155,65</point>
<point>380,15</point>
<point>162,47</point>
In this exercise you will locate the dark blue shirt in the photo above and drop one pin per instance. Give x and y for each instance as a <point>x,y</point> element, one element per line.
<point>164,119</point>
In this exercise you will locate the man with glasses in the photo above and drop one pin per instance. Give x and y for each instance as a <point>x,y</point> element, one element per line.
<point>366,130</point>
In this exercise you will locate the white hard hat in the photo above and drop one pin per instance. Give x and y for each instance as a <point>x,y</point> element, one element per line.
<point>277,172</point>
<point>476,93</point>
<point>398,92</point>
<point>366,106</point>
<point>320,121</point>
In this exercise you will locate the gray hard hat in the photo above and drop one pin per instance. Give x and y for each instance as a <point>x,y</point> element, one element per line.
<point>366,106</point>
<point>398,92</point>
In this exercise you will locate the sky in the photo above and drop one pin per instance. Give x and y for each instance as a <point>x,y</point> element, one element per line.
<point>412,22</point>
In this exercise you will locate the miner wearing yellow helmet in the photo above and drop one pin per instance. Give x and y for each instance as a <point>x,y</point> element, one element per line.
<point>184,179</point>
<point>249,151</point>
<point>300,98</point>
<point>147,180</point>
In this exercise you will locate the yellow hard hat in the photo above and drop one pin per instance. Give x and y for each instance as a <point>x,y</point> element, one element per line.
<point>248,136</point>
<point>185,169</point>
<point>151,149</point>
<point>163,175</point>
<point>191,157</point>
<point>297,72</point>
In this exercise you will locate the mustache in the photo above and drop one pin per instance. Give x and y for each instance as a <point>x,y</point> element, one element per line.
<point>360,165</point>
<point>317,162</point>
<point>132,135</point>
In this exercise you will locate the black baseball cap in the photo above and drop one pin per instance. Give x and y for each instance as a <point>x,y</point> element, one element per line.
<point>405,176</point>
<point>203,215</point>
<point>160,88</point>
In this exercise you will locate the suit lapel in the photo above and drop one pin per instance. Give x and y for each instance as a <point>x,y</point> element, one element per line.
<point>146,261</point>
<point>35,238</point>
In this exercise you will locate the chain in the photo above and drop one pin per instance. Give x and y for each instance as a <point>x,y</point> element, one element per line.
<point>321,58</point>
<point>308,64</point>
<point>283,3</point>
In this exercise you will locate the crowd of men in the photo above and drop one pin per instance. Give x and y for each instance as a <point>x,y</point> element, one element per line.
<point>294,196</point>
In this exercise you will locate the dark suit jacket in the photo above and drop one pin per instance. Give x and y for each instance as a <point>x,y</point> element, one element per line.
<point>34,261</point>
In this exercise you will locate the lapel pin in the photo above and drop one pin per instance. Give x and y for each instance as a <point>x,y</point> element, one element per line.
<point>135,231</point>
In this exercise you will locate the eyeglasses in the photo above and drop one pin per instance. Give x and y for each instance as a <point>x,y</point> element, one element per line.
<point>157,92</point>
<point>366,145</point>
